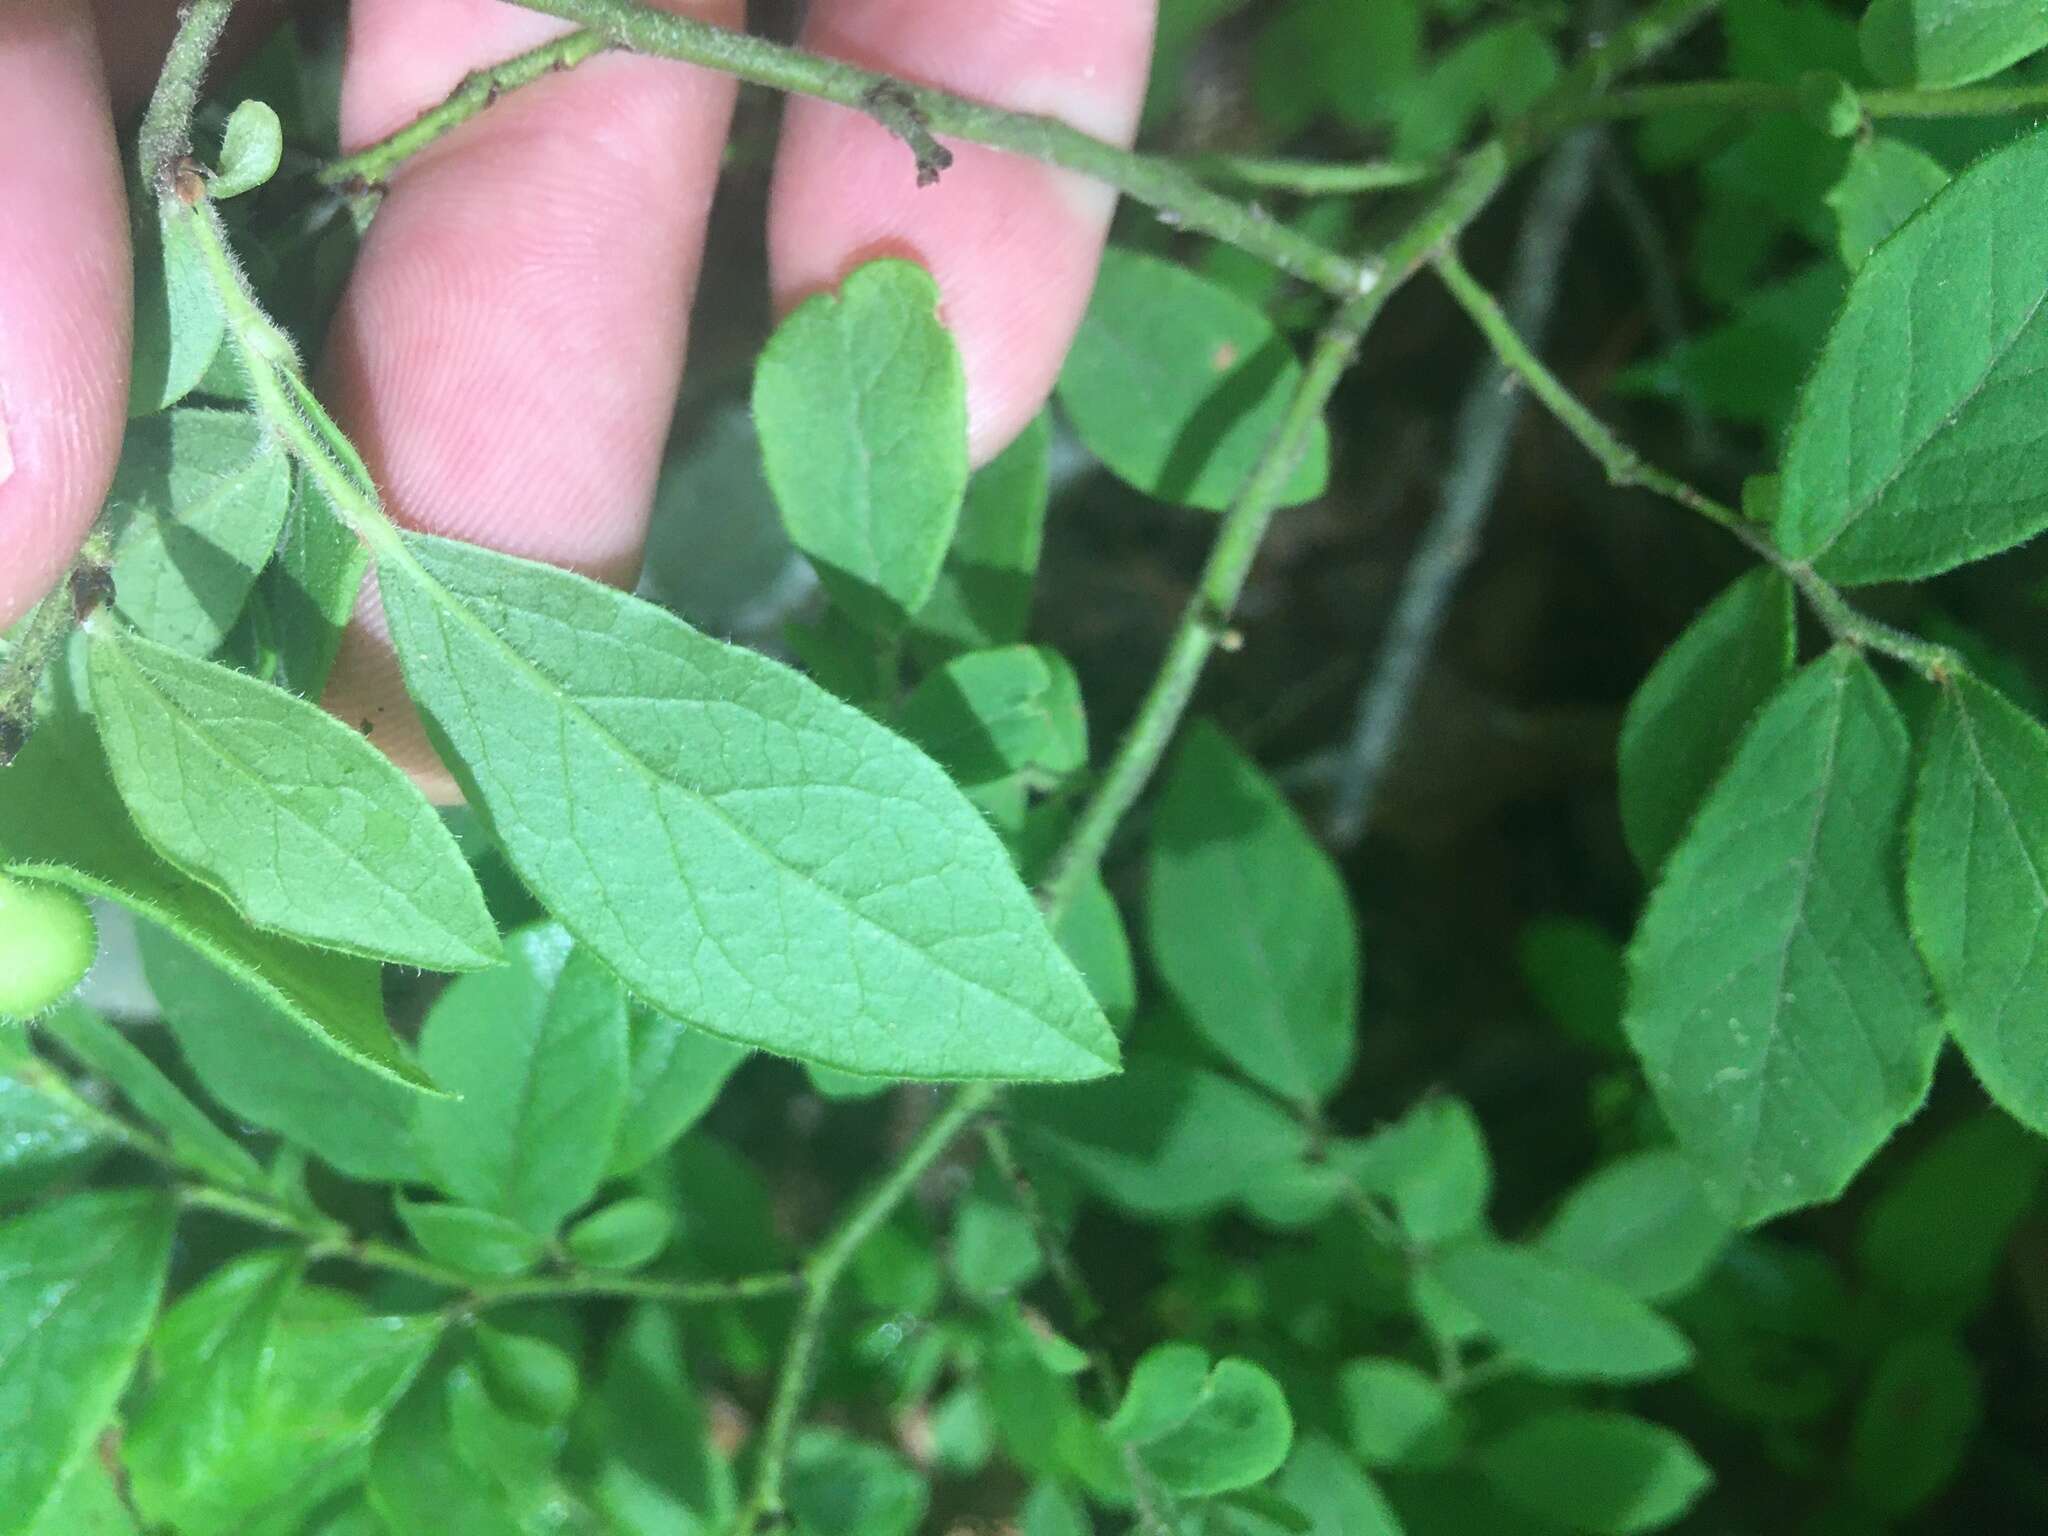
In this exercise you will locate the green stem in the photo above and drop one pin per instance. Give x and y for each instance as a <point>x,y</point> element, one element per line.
<point>368,169</point>
<point>331,1240</point>
<point>1207,616</point>
<point>1161,184</point>
<point>1751,96</point>
<point>1318,178</point>
<point>167,125</point>
<point>1625,468</point>
<point>822,1273</point>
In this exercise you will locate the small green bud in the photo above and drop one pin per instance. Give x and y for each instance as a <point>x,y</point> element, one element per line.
<point>47,944</point>
<point>1830,103</point>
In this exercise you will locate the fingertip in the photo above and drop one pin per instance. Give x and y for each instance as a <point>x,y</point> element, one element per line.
<point>65,298</point>
<point>1014,244</point>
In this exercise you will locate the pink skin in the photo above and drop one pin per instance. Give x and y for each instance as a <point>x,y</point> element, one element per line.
<point>508,354</point>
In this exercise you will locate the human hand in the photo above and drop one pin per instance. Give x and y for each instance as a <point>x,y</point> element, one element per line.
<point>509,350</point>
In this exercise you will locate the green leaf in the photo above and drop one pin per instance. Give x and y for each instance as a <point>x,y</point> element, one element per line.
<point>622,1236</point>
<point>1607,1473</point>
<point>46,1134</point>
<point>86,1503</point>
<point>195,1140</point>
<point>534,1056</point>
<point>529,1377</point>
<point>1778,1007</point>
<point>1236,1434</point>
<point>1432,1164</point>
<point>79,1283</point>
<point>1164,1139</point>
<point>1328,1495</point>
<point>861,403</point>
<point>1398,1416</point>
<point>178,321</point>
<point>838,1485</point>
<point>995,1248</point>
<point>1977,887</point>
<point>195,509</point>
<point>1165,1387</point>
<point>1562,1323</point>
<point>1091,932</point>
<point>983,595</point>
<point>1495,72</point>
<point>1919,444</point>
<point>312,588</point>
<point>825,891</point>
<point>297,820</point>
<point>990,715</point>
<point>61,821</point>
<point>1887,182</point>
<point>1915,1423</point>
<point>664,1475</point>
<point>1179,386</point>
<point>1249,922</point>
<point>266,1396</point>
<point>1683,723</point>
<point>452,1462</point>
<point>250,150</point>
<point>1949,42</point>
<point>264,1069</point>
<point>1936,1237</point>
<point>1644,1222</point>
<point>475,1242</point>
<point>673,1076</point>
<point>1052,1511</point>
<point>1574,970</point>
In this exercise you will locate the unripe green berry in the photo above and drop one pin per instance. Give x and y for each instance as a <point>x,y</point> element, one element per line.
<point>47,944</point>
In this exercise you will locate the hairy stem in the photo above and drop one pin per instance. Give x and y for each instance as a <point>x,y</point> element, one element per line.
<point>369,168</point>
<point>1161,184</point>
<point>1486,423</point>
<point>1627,468</point>
<point>167,125</point>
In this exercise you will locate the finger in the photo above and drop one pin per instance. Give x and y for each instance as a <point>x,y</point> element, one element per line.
<point>1013,244</point>
<point>509,351</point>
<point>64,296</point>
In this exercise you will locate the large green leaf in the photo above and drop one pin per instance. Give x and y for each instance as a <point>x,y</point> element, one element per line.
<point>748,853</point>
<point>1777,1004</point>
<point>1558,1321</point>
<point>533,1054</point>
<point>1249,922</point>
<point>1949,42</point>
<point>861,403</point>
<point>1179,385</point>
<point>61,820</point>
<point>264,1069</point>
<point>312,588</point>
<point>79,1283</point>
<point>196,507</point>
<point>1236,1432</point>
<point>1683,723</point>
<point>293,817</point>
<point>1920,443</point>
<point>1977,884</point>
<point>1607,1473</point>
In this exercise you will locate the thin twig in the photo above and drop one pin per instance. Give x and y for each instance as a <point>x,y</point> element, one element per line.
<point>367,170</point>
<point>1318,178</point>
<point>1627,468</point>
<point>1486,424</point>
